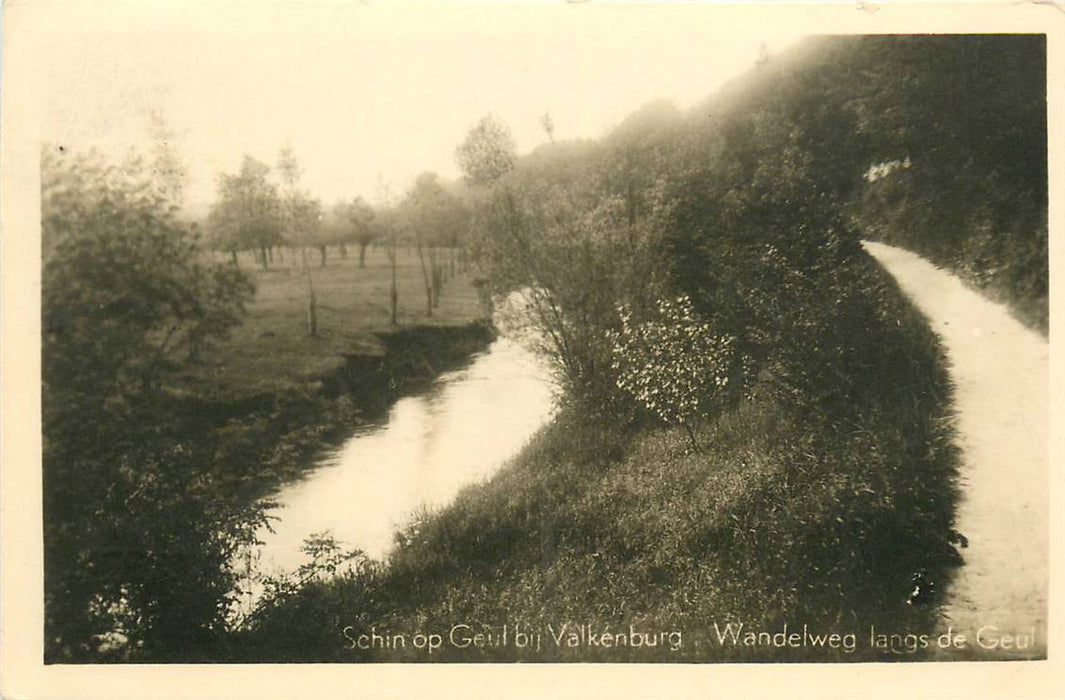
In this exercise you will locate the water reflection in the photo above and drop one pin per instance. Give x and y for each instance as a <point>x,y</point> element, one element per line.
<point>458,432</point>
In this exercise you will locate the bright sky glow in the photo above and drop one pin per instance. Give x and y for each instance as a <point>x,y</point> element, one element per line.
<point>369,92</point>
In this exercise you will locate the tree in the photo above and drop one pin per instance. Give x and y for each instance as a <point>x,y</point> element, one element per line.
<point>247,214</point>
<point>386,227</point>
<point>302,222</point>
<point>636,155</point>
<point>423,210</point>
<point>123,284</point>
<point>356,216</point>
<point>487,153</point>
<point>548,125</point>
<point>436,219</point>
<point>136,553</point>
<point>168,171</point>
<point>547,230</point>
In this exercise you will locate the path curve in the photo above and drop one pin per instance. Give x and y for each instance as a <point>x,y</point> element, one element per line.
<point>1000,371</point>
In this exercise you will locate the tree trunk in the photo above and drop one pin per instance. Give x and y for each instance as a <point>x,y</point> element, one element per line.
<point>262,257</point>
<point>312,313</point>
<point>321,249</point>
<point>691,437</point>
<point>343,251</point>
<point>438,285</point>
<point>394,294</point>
<point>236,262</point>
<point>362,254</point>
<point>270,253</point>
<point>427,280</point>
<point>312,300</point>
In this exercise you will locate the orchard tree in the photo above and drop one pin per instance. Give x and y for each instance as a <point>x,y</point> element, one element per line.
<point>304,224</point>
<point>301,214</point>
<point>302,217</point>
<point>422,212</point>
<point>385,226</point>
<point>247,213</point>
<point>355,216</point>
<point>436,219</point>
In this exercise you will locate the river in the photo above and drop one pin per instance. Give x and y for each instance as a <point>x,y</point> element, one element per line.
<point>458,432</point>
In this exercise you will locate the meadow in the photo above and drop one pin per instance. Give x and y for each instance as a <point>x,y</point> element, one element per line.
<point>272,350</point>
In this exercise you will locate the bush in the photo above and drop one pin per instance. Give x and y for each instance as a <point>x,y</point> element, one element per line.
<point>675,365</point>
<point>137,544</point>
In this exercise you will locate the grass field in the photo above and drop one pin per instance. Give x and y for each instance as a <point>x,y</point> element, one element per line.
<point>272,350</point>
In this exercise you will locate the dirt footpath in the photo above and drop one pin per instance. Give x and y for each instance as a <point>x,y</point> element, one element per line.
<point>1000,372</point>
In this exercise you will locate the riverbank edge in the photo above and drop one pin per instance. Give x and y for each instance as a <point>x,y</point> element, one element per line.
<point>272,438</point>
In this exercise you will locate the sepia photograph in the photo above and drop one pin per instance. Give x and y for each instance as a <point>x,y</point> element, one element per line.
<point>455,333</point>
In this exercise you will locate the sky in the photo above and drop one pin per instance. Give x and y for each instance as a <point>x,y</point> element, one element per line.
<point>369,95</point>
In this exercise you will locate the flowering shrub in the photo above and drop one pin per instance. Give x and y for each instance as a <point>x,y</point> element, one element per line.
<point>673,363</point>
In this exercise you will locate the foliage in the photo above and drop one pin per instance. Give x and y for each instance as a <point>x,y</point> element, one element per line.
<point>247,214</point>
<point>598,522</point>
<point>355,219</point>
<point>552,231</point>
<point>637,153</point>
<point>751,218</point>
<point>674,364</point>
<point>433,214</point>
<point>300,213</point>
<point>123,285</point>
<point>325,559</point>
<point>968,116</point>
<point>975,198</point>
<point>760,243</point>
<point>436,220</point>
<point>487,153</point>
<point>137,547</point>
<point>303,220</point>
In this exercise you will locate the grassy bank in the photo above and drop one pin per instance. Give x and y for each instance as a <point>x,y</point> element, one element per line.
<point>267,439</point>
<point>782,517</point>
